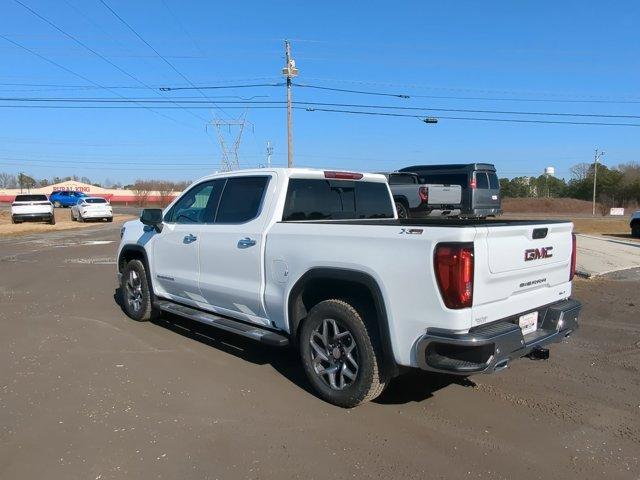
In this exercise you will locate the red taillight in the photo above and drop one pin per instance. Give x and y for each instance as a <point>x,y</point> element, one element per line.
<point>343,175</point>
<point>424,194</point>
<point>574,252</point>
<point>454,272</point>
<point>472,184</point>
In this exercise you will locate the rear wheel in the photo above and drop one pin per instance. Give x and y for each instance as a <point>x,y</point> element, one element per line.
<point>109,219</point>
<point>13,220</point>
<point>80,219</point>
<point>52,219</point>
<point>635,230</point>
<point>136,294</point>
<point>340,356</point>
<point>403,211</point>
<point>73,218</point>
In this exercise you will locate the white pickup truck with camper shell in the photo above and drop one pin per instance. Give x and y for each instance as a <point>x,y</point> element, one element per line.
<point>319,260</point>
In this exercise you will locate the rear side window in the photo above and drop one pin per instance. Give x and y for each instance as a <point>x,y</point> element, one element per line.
<point>31,198</point>
<point>494,184</point>
<point>399,179</point>
<point>241,199</point>
<point>482,182</point>
<point>310,199</point>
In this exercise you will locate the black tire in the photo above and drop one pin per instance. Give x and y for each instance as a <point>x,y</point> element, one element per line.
<point>109,219</point>
<point>80,219</point>
<point>369,380</point>
<point>137,303</point>
<point>635,230</point>
<point>73,219</point>
<point>13,220</point>
<point>52,219</point>
<point>403,210</point>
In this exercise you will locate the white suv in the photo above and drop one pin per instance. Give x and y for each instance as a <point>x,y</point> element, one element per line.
<point>92,208</point>
<point>32,207</point>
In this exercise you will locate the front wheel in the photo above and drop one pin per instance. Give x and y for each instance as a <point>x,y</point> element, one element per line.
<point>57,204</point>
<point>339,355</point>
<point>73,218</point>
<point>136,294</point>
<point>52,219</point>
<point>80,218</point>
<point>635,230</point>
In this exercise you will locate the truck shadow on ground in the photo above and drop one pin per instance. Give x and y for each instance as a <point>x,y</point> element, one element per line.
<point>411,386</point>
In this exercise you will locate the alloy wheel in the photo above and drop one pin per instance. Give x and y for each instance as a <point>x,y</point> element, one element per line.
<point>133,287</point>
<point>334,354</point>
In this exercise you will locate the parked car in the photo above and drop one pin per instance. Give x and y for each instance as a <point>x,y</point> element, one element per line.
<point>310,258</point>
<point>634,223</point>
<point>417,200</point>
<point>479,183</point>
<point>34,207</point>
<point>65,198</point>
<point>92,208</point>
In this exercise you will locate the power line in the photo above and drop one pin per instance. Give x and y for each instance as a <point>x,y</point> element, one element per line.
<point>507,120</point>
<point>154,50</point>
<point>208,87</point>
<point>352,91</point>
<point>85,46</point>
<point>62,67</point>
<point>190,100</point>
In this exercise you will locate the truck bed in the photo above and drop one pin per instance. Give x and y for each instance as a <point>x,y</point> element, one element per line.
<point>437,222</point>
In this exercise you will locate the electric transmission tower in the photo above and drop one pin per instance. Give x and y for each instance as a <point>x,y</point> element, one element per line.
<point>225,130</point>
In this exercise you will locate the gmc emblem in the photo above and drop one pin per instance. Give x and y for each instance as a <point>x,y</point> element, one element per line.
<point>537,253</point>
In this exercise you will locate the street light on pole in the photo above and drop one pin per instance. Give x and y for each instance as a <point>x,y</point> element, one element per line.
<point>597,157</point>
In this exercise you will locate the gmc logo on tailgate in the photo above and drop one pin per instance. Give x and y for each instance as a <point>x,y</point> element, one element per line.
<point>537,253</point>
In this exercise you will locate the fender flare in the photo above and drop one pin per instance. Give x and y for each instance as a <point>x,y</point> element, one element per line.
<point>353,276</point>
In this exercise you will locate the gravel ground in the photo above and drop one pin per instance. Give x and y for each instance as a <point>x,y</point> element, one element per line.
<point>87,393</point>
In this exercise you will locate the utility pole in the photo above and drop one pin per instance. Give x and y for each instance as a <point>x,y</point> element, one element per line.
<point>597,157</point>
<point>289,71</point>
<point>269,154</point>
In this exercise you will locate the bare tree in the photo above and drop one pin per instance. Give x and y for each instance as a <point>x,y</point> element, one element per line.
<point>142,189</point>
<point>580,171</point>
<point>8,180</point>
<point>165,190</point>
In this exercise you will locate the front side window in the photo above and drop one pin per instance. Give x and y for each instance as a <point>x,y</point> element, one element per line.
<point>311,199</point>
<point>241,199</point>
<point>198,205</point>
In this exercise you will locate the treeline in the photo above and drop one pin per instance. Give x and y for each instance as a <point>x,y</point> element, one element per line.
<point>615,187</point>
<point>22,180</point>
<point>164,189</point>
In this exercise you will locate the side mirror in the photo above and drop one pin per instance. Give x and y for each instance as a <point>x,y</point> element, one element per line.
<point>152,217</point>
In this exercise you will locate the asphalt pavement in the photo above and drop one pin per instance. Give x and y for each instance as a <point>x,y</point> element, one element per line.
<point>87,393</point>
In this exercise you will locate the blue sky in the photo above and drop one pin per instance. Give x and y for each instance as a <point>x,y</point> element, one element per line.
<point>494,53</point>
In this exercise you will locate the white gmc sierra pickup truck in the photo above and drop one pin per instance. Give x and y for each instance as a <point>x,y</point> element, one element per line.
<point>318,259</point>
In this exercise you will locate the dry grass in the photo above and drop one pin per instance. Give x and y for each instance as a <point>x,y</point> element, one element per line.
<point>63,222</point>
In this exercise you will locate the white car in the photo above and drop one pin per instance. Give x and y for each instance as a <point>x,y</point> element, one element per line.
<point>92,208</point>
<point>319,260</point>
<point>32,207</point>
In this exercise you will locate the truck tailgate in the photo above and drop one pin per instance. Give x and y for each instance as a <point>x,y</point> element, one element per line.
<point>520,262</point>
<point>445,194</point>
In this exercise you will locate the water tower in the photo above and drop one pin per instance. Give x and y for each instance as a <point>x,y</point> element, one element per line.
<point>548,172</point>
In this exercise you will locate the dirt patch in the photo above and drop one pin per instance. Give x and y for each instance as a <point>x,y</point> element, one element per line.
<point>547,206</point>
<point>63,222</point>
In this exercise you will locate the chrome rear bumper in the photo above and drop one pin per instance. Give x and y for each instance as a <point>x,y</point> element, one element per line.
<point>491,347</point>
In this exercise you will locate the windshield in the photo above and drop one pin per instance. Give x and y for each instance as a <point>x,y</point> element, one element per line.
<point>95,200</point>
<point>31,198</point>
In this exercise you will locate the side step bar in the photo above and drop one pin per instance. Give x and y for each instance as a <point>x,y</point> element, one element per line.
<point>253,332</point>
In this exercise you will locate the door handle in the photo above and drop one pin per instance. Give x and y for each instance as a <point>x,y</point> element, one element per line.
<point>189,238</point>
<point>246,242</point>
